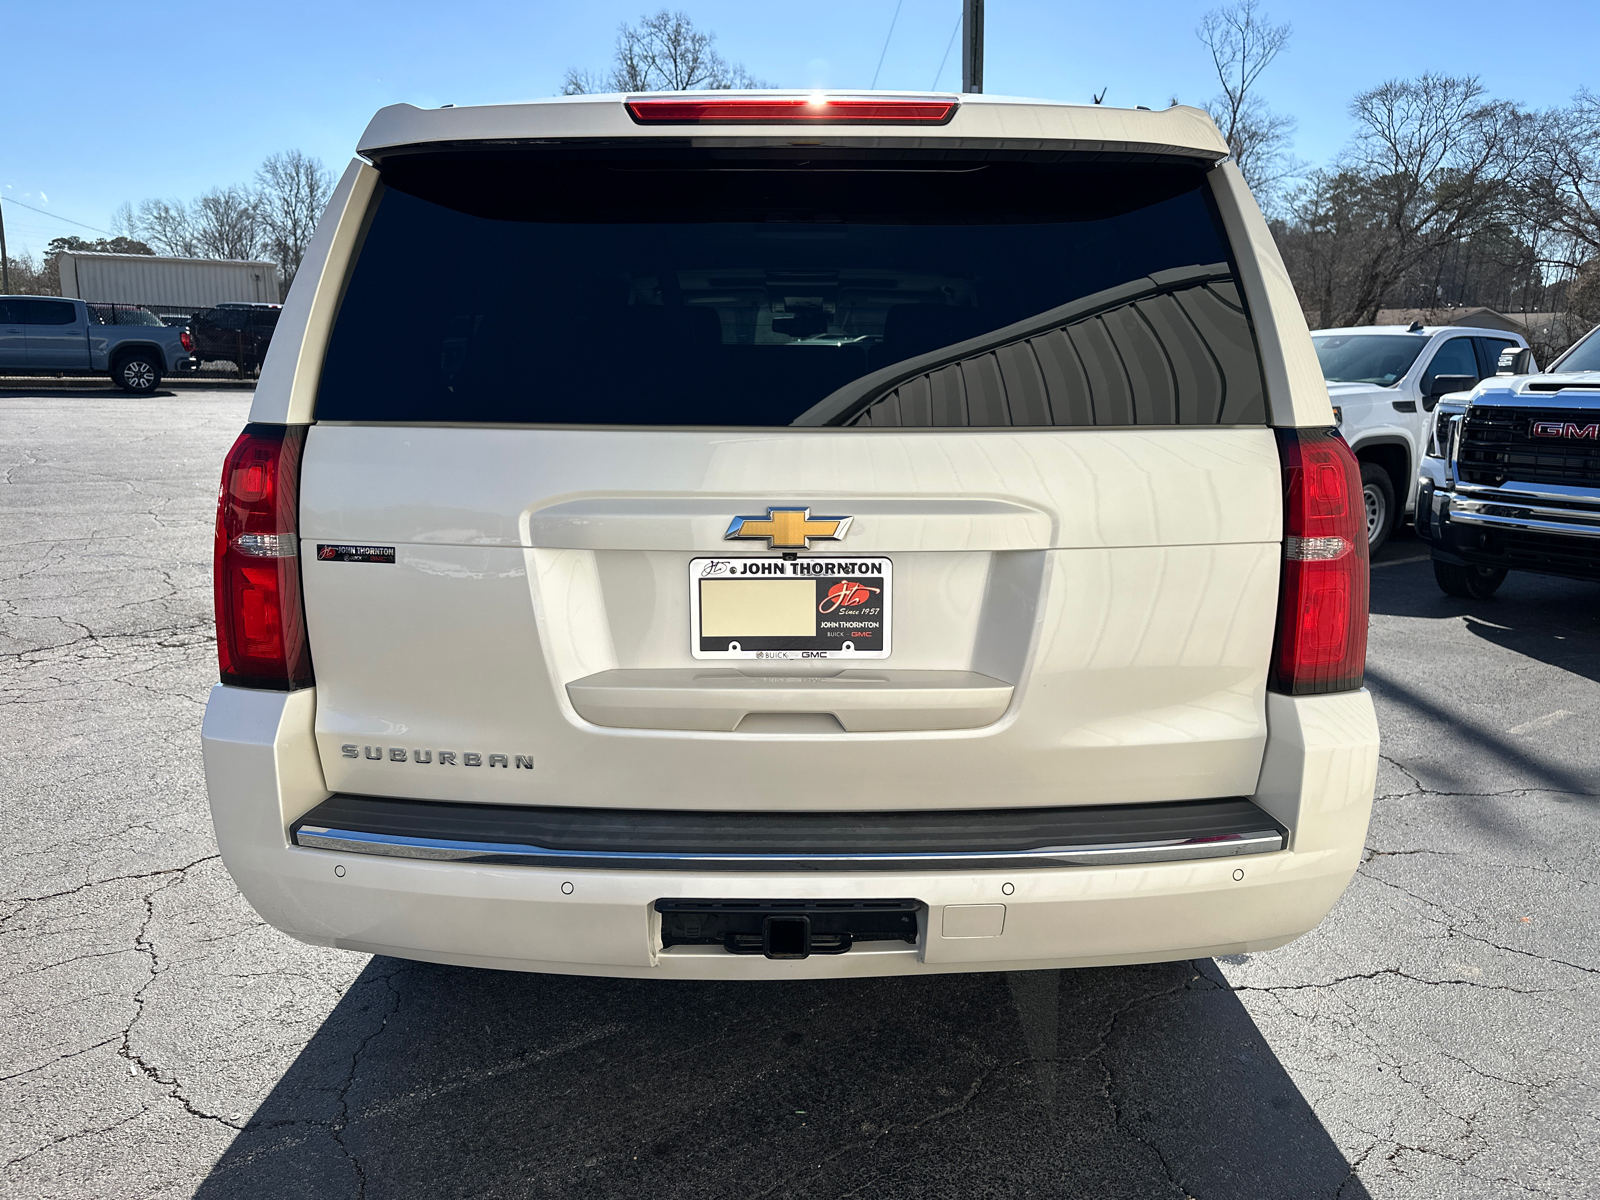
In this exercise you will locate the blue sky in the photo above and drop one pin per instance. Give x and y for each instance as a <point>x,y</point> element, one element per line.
<point>102,102</point>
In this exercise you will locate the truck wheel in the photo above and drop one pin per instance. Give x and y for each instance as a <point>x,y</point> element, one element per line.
<point>1378,495</point>
<point>138,373</point>
<point>1469,582</point>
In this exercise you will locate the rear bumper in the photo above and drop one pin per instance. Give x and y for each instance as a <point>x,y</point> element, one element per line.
<point>262,774</point>
<point>1016,839</point>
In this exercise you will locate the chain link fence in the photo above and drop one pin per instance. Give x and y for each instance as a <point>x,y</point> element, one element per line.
<point>229,341</point>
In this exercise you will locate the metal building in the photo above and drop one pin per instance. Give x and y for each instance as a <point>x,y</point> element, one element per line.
<point>167,283</point>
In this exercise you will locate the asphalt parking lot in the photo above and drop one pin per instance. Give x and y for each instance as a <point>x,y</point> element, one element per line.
<point>1436,1037</point>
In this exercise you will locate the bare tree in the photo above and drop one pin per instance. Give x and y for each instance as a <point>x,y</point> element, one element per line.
<point>1567,174</point>
<point>276,217</point>
<point>663,53</point>
<point>292,189</point>
<point>1444,165</point>
<point>226,223</point>
<point>1583,296</point>
<point>1243,43</point>
<point>123,219</point>
<point>1563,216</point>
<point>1434,165</point>
<point>583,83</point>
<point>162,224</point>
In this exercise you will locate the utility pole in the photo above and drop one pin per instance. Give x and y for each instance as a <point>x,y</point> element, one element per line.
<point>5,263</point>
<point>972,45</point>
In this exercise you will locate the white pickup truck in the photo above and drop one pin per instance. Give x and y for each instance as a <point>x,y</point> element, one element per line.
<point>1384,381</point>
<point>47,335</point>
<point>791,536</point>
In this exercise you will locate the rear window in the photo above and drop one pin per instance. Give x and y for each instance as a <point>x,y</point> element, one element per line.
<point>122,314</point>
<point>739,290</point>
<point>222,318</point>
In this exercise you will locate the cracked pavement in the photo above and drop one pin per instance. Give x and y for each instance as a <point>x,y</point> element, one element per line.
<point>1434,1037</point>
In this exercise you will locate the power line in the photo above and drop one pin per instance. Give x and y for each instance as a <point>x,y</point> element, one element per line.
<point>890,34</point>
<point>46,213</point>
<point>946,57</point>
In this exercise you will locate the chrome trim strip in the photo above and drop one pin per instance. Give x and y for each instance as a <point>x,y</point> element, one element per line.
<point>1506,508</point>
<point>1513,492</point>
<point>1528,524</point>
<point>350,841</point>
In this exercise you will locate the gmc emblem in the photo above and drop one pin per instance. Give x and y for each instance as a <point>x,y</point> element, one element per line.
<point>1566,429</point>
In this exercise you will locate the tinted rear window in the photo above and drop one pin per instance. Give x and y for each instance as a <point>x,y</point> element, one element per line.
<point>760,291</point>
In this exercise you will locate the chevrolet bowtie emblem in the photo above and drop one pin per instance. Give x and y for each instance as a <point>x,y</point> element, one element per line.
<point>789,528</point>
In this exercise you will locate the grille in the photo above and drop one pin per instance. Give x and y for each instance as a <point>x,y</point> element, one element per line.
<point>1497,444</point>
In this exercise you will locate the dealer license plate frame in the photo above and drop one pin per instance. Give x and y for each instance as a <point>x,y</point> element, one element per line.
<point>828,644</point>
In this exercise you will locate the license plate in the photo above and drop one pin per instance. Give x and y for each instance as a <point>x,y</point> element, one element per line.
<point>789,609</point>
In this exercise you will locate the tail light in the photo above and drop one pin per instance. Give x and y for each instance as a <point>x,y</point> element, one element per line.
<point>1321,643</point>
<point>261,624</point>
<point>791,110</point>
<point>186,341</point>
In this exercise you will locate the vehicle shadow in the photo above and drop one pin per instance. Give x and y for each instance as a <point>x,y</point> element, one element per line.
<point>1535,617</point>
<point>431,1081</point>
<point>109,392</point>
<point>1554,620</point>
<point>33,389</point>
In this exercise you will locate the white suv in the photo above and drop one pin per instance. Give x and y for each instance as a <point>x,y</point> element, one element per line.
<point>791,536</point>
<point>1385,381</point>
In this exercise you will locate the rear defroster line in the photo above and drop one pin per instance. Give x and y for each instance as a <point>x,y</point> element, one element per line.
<point>622,839</point>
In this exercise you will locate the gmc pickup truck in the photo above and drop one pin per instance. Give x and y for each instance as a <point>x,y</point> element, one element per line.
<point>1384,381</point>
<point>793,535</point>
<point>1511,481</point>
<point>44,334</point>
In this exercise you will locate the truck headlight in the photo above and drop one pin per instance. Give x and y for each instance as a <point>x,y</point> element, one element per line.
<point>1438,434</point>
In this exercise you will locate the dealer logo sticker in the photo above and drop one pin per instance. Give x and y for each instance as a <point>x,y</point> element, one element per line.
<point>362,554</point>
<point>846,594</point>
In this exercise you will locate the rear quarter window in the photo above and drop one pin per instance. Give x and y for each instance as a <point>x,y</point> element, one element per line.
<point>748,290</point>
